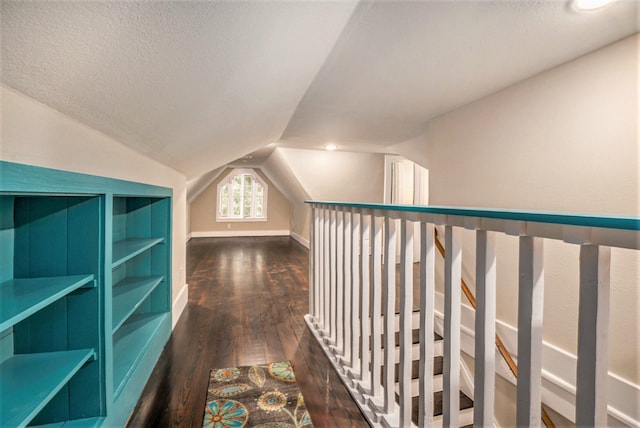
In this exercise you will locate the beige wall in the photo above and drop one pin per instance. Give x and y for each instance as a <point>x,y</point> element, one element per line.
<point>338,176</point>
<point>204,207</point>
<point>323,175</point>
<point>35,134</point>
<point>565,140</point>
<point>277,168</point>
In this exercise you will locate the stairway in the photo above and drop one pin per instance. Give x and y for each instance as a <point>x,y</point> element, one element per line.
<point>466,403</point>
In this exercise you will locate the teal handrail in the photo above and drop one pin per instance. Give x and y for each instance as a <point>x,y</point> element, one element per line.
<point>608,221</point>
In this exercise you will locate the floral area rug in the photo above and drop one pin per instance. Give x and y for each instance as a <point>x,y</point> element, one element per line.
<point>264,396</point>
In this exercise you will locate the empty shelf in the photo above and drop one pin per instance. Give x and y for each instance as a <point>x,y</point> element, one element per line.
<point>129,248</point>
<point>129,344</point>
<point>129,294</point>
<point>21,298</point>
<point>29,381</point>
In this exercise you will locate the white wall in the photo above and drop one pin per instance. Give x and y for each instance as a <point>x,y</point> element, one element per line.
<point>277,169</point>
<point>565,140</point>
<point>338,176</point>
<point>35,134</point>
<point>324,176</point>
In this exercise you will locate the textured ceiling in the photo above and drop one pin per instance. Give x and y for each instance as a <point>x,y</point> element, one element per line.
<point>401,64</point>
<point>197,85</point>
<point>191,84</point>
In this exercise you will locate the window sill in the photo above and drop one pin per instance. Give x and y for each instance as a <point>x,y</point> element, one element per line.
<point>240,220</point>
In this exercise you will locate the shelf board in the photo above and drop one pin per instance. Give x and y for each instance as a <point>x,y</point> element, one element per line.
<point>129,294</point>
<point>29,381</point>
<point>129,344</point>
<point>21,298</point>
<point>79,423</point>
<point>129,248</point>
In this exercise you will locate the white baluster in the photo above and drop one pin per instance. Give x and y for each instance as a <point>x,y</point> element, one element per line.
<point>593,331</point>
<point>339,279</point>
<point>406,309</point>
<point>355,285</point>
<point>530,309</point>
<point>312,263</point>
<point>327,274</point>
<point>427,310</point>
<point>389,314</point>
<point>376,303</point>
<point>346,316</point>
<point>332,277</point>
<point>364,298</point>
<point>321,268</point>
<point>485,326</point>
<point>452,295</point>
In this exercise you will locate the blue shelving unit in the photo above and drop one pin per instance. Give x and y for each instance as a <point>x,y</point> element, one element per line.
<point>85,295</point>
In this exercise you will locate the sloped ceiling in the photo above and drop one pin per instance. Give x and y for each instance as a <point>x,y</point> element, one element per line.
<point>192,84</point>
<point>197,85</point>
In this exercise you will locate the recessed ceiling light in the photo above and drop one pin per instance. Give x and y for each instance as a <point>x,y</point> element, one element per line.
<point>590,5</point>
<point>331,147</point>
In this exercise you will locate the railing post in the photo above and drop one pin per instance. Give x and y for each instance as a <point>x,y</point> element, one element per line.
<point>339,259</point>
<point>593,331</point>
<point>427,310</point>
<point>406,309</point>
<point>320,267</point>
<point>326,272</point>
<point>375,274</point>
<point>313,283</point>
<point>364,298</point>
<point>485,327</point>
<point>389,286</point>
<point>452,296</point>
<point>356,218</point>
<point>530,311</point>
<point>346,316</point>
<point>332,276</point>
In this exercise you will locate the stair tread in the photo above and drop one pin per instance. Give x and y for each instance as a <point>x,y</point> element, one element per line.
<point>465,403</point>
<point>438,362</point>
<point>415,337</point>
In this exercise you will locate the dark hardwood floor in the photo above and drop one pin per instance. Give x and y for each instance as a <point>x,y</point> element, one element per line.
<point>247,299</point>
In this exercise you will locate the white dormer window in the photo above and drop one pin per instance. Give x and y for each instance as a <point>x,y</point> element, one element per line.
<point>242,196</point>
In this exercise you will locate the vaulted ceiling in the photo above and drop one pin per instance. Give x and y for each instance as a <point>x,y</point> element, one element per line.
<point>197,85</point>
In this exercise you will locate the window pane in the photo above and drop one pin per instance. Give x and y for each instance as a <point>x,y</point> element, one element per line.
<point>259,200</point>
<point>224,201</point>
<point>248,192</point>
<point>237,195</point>
<point>259,205</point>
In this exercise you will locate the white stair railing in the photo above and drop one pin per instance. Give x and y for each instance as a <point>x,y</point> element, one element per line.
<point>352,298</point>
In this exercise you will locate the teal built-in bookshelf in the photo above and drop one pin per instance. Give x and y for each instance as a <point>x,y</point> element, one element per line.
<point>85,295</point>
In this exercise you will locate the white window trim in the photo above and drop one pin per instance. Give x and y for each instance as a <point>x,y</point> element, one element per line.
<point>227,181</point>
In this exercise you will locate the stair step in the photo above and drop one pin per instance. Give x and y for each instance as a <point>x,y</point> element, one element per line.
<point>415,338</point>
<point>465,403</point>
<point>438,362</point>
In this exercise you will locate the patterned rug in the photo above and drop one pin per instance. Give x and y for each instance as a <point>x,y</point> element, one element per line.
<point>264,396</point>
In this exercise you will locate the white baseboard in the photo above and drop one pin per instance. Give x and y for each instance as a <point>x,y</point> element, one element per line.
<point>300,239</point>
<point>239,233</point>
<point>558,373</point>
<point>179,304</point>
<point>188,237</point>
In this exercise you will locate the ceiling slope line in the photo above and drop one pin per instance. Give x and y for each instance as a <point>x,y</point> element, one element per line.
<point>277,169</point>
<point>356,14</point>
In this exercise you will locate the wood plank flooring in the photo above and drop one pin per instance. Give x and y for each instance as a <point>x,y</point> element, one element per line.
<point>247,299</point>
